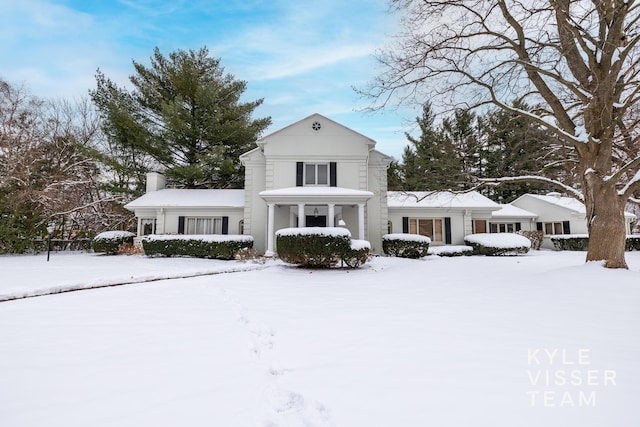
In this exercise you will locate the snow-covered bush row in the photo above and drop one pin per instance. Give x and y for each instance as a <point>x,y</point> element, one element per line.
<point>498,244</point>
<point>109,241</point>
<point>214,246</point>
<point>405,245</point>
<point>451,250</point>
<point>570,242</point>
<point>320,247</point>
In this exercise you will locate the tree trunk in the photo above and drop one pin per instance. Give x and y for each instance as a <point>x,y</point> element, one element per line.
<point>606,224</point>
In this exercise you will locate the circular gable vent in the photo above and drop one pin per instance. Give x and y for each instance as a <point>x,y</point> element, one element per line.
<point>316,126</point>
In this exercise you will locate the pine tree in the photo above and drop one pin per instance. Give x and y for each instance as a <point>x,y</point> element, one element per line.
<point>430,162</point>
<point>184,115</point>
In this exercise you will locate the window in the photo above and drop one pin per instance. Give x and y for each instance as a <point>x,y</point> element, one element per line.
<point>203,226</point>
<point>316,174</point>
<point>502,227</point>
<point>479,226</point>
<point>431,228</point>
<point>148,226</point>
<point>553,228</point>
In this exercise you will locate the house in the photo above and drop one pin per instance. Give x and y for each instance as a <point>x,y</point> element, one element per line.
<point>317,172</point>
<point>444,216</point>
<point>557,214</point>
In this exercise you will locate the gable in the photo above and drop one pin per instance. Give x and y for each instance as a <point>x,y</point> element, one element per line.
<point>316,136</point>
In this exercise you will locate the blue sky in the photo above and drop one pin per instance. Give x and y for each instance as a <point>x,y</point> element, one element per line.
<point>302,57</point>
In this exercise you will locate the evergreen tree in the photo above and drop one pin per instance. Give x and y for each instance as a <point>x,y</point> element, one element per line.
<point>185,115</point>
<point>516,146</point>
<point>430,162</point>
<point>461,133</point>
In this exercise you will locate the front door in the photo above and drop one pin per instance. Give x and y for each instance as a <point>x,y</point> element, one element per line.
<point>316,221</point>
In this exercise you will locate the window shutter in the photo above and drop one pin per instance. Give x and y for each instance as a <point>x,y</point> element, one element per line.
<point>518,226</point>
<point>405,224</point>
<point>180,225</point>
<point>333,181</point>
<point>539,226</point>
<point>299,174</point>
<point>447,230</point>
<point>566,228</point>
<point>225,225</point>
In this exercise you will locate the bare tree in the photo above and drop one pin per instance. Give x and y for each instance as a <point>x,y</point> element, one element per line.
<point>576,59</point>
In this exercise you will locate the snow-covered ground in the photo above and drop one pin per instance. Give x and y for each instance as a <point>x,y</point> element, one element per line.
<point>465,341</point>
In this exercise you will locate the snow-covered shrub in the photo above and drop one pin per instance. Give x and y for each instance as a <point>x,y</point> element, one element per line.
<point>570,242</point>
<point>109,241</point>
<point>536,237</point>
<point>320,247</point>
<point>498,244</point>
<point>633,243</point>
<point>213,246</point>
<point>451,250</point>
<point>405,245</point>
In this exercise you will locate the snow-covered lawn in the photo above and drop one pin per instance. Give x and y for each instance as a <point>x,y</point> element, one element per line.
<point>464,341</point>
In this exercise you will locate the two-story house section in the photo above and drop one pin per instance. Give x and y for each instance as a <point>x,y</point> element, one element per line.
<point>315,172</point>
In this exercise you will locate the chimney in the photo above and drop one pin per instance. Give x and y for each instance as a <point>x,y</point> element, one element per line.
<point>155,181</point>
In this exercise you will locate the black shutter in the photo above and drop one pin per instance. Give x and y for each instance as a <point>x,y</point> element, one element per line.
<point>447,230</point>
<point>518,226</point>
<point>333,181</point>
<point>539,226</point>
<point>180,225</point>
<point>299,174</point>
<point>405,224</point>
<point>225,225</point>
<point>566,228</point>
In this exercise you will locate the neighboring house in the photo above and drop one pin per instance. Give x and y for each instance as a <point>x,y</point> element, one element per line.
<point>445,217</point>
<point>559,215</point>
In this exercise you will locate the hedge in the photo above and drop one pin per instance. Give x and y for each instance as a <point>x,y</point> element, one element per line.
<point>498,244</point>
<point>212,246</point>
<point>580,242</point>
<point>320,247</point>
<point>405,245</point>
<point>109,241</point>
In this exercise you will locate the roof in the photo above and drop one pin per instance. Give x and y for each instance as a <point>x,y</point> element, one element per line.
<point>305,193</point>
<point>510,211</point>
<point>370,141</point>
<point>574,205</point>
<point>189,198</point>
<point>439,199</point>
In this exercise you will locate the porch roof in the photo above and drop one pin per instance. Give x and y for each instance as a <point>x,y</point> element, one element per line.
<point>315,195</point>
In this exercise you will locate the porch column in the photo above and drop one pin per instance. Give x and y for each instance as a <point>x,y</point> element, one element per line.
<point>301,217</point>
<point>360,221</point>
<point>270,225</point>
<point>331,214</point>
<point>140,227</point>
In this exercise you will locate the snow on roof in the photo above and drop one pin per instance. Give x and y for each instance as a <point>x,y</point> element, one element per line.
<point>439,199</point>
<point>510,211</point>
<point>190,198</point>
<point>568,203</point>
<point>316,192</point>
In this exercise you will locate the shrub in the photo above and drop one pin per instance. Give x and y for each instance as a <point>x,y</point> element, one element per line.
<point>451,251</point>
<point>633,243</point>
<point>213,246</point>
<point>536,238</point>
<point>570,242</point>
<point>405,245</point>
<point>109,241</point>
<point>320,247</point>
<point>498,244</point>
